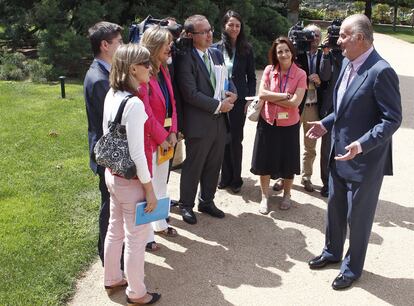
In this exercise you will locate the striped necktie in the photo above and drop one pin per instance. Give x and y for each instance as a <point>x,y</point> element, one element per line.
<point>343,86</point>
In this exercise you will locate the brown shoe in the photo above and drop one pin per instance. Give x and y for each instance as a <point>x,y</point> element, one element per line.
<point>278,186</point>
<point>307,184</point>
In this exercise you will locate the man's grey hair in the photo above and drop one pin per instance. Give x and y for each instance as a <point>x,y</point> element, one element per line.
<point>361,24</point>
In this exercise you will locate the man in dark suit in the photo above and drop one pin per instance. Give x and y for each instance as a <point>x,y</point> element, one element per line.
<point>205,121</point>
<point>367,112</point>
<point>105,38</point>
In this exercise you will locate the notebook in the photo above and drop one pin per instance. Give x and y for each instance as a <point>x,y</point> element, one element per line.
<point>160,212</point>
<point>164,156</point>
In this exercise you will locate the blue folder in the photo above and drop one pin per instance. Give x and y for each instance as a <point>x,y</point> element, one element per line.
<point>160,212</point>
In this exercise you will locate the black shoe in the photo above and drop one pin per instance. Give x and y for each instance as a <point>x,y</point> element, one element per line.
<point>222,185</point>
<point>154,299</point>
<point>212,210</point>
<point>235,189</point>
<point>342,282</point>
<point>320,262</point>
<point>325,191</point>
<point>177,167</point>
<point>188,215</point>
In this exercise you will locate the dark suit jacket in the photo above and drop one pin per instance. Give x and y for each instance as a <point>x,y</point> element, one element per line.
<point>370,112</point>
<point>243,73</point>
<point>95,87</point>
<point>302,62</point>
<point>330,68</point>
<point>197,102</point>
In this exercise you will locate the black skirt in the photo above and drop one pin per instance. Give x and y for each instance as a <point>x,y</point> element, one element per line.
<point>276,150</point>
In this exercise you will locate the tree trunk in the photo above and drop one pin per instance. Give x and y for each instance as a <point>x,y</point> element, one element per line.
<point>394,22</point>
<point>368,8</point>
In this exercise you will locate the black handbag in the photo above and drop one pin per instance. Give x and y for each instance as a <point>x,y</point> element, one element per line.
<point>111,150</point>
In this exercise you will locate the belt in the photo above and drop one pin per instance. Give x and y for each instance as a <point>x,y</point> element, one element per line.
<point>311,104</point>
<point>216,116</point>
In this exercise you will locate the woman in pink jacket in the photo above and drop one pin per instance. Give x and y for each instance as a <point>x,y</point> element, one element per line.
<point>161,128</point>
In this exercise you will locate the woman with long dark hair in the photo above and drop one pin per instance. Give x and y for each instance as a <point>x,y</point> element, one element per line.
<point>239,60</point>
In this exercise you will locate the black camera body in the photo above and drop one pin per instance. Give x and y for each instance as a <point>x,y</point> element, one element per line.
<point>301,38</point>
<point>181,45</point>
<point>333,34</point>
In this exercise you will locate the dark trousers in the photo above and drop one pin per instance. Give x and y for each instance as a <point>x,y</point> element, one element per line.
<point>104,213</point>
<point>354,204</point>
<point>233,153</point>
<point>103,216</point>
<point>324,161</point>
<point>204,156</point>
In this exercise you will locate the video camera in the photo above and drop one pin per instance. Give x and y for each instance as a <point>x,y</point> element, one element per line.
<point>333,35</point>
<point>181,45</point>
<point>301,38</point>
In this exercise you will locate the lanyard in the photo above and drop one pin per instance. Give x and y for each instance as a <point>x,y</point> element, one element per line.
<point>281,80</point>
<point>163,86</point>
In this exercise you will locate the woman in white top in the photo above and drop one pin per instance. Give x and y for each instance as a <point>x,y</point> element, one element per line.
<point>130,67</point>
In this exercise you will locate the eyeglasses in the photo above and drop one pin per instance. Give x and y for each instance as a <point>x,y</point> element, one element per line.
<point>146,64</point>
<point>204,32</point>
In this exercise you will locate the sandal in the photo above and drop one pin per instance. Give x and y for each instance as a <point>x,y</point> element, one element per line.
<point>286,203</point>
<point>152,246</point>
<point>168,232</point>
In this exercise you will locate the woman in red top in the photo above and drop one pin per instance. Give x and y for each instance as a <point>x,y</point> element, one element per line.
<point>161,130</point>
<point>276,150</point>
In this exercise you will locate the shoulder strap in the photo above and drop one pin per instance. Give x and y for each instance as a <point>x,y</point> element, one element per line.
<point>121,109</point>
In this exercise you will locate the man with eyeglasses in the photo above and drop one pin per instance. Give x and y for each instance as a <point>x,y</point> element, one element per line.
<point>105,38</point>
<point>205,121</point>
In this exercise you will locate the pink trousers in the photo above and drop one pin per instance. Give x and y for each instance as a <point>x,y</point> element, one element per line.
<point>124,196</point>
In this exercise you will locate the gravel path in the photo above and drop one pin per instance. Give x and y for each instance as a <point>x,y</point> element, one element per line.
<point>250,259</point>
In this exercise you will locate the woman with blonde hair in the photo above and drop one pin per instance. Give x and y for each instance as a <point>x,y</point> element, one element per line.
<point>130,67</point>
<point>160,107</point>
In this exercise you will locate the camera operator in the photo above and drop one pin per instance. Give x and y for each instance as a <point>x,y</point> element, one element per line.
<point>330,67</point>
<point>310,61</point>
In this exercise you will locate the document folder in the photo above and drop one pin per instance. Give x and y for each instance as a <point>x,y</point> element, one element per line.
<point>160,212</point>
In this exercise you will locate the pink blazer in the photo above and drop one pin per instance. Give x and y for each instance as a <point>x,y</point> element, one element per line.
<point>296,79</point>
<point>142,94</point>
<point>154,102</point>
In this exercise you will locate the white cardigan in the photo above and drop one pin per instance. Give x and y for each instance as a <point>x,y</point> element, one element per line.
<point>133,117</point>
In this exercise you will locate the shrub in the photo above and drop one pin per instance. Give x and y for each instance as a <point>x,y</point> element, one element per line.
<point>13,66</point>
<point>381,13</point>
<point>312,14</point>
<point>40,72</point>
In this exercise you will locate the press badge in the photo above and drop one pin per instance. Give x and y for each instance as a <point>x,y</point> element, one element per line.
<point>282,115</point>
<point>167,122</point>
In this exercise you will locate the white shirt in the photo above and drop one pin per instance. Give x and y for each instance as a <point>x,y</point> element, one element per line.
<point>133,117</point>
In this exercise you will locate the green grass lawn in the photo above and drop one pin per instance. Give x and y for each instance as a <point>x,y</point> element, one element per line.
<point>49,198</point>
<point>404,33</point>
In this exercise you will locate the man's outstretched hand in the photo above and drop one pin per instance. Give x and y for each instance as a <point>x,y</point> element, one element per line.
<point>316,131</point>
